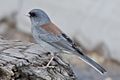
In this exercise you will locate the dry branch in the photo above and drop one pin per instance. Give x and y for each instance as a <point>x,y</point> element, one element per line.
<point>23,61</point>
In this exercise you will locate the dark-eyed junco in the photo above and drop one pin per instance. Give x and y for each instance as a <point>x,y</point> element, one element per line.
<point>50,37</point>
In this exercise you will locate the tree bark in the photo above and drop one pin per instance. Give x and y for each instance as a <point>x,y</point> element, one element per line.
<point>24,61</point>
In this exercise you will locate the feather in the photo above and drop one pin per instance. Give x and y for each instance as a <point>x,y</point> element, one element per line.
<point>51,28</point>
<point>63,42</point>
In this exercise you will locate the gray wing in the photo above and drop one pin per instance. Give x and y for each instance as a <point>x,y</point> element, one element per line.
<point>65,43</point>
<point>59,41</point>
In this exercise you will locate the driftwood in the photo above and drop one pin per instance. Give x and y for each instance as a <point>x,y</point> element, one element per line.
<point>24,61</point>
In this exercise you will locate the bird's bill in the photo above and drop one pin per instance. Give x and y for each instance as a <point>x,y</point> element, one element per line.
<point>27,15</point>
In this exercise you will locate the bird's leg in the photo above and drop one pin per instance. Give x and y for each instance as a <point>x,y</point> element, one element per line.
<point>48,64</point>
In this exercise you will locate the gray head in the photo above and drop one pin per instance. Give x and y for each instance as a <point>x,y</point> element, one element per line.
<point>38,16</point>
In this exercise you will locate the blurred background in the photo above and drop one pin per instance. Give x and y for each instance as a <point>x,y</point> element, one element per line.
<point>93,24</point>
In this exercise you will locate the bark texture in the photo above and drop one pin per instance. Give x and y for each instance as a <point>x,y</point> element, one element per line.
<point>23,61</point>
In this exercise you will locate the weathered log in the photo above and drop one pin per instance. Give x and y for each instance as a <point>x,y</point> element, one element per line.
<point>24,61</point>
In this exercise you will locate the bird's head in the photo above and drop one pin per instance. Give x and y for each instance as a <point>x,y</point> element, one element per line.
<point>38,16</point>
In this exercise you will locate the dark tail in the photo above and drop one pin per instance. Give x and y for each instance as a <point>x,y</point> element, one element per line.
<point>90,62</point>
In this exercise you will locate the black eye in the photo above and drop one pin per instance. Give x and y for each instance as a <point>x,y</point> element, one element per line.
<point>32,14</point>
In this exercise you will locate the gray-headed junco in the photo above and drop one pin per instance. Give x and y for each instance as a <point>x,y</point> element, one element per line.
<point>50,37</point>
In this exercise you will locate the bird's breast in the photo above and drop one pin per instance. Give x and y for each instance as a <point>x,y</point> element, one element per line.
<point>36,34</point>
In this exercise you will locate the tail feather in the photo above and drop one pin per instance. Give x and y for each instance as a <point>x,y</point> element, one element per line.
<point>93,64</point>
<point>89,61</point>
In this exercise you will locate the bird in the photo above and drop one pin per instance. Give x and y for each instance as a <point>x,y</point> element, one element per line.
<point>50,37</point>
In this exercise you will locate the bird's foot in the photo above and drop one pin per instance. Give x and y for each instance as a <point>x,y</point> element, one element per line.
<point>48,64</point>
